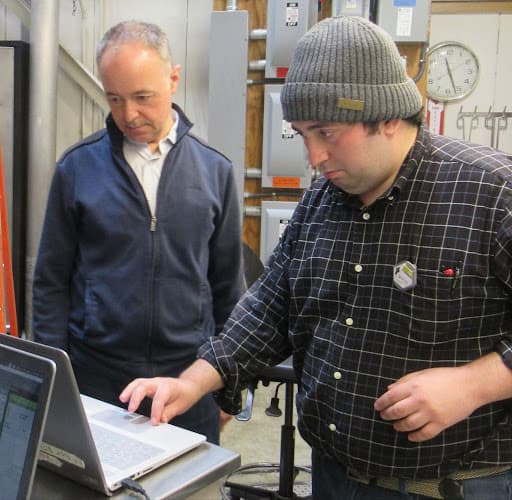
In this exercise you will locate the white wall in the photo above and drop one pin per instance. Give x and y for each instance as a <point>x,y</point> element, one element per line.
<point>490,37</point>
<point>10,27</point>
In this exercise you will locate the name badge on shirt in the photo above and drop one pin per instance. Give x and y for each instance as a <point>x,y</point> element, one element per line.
<point>404,275</point>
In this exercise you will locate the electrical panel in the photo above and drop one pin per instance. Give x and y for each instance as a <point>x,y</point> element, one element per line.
<point>351,8</point>
<point>286,23</point>
<point>284,161</point>
<point>275,216</point>
<point>404,20</point>
<point>228,88</point>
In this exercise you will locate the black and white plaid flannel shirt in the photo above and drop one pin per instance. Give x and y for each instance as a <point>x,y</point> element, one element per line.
<point>328,297</point>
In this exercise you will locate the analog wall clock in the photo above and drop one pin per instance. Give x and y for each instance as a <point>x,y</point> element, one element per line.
<point>453,71</point>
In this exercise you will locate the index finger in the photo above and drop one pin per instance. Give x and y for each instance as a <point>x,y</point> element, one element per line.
<point>135,392</point>
<point>394,394</point>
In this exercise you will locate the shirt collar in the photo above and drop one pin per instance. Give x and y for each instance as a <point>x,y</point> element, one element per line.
<point>412,160</point>
<point>164,145</point>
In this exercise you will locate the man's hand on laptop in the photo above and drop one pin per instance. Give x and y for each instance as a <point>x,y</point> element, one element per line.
<point>173,396</point>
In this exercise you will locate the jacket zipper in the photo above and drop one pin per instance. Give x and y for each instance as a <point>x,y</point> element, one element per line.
<point>152,230</point>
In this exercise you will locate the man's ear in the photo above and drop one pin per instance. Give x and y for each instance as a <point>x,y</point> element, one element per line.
<point>390,127</point>
<point>175,77</point>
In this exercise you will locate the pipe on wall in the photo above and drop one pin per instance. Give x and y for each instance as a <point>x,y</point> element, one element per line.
<point>44,50</point>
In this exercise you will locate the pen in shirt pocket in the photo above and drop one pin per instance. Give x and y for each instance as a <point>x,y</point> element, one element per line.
<point>454,273</point>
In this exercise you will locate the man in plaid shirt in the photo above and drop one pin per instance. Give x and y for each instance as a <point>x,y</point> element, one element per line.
<point>391,286</point>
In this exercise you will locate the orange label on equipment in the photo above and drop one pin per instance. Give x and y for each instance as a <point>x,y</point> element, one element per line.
<point>286,182</point>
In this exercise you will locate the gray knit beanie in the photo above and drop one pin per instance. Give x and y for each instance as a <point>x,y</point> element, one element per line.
<point>347,69</point>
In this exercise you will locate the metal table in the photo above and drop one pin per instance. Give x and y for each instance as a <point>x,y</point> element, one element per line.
<point>178,479</point>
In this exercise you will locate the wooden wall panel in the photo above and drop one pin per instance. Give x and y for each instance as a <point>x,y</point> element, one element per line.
<point>254,133</point>
<point>471,7</point>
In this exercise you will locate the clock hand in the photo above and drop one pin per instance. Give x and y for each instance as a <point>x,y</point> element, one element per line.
<point>455,68</point>
<point>450,74</point>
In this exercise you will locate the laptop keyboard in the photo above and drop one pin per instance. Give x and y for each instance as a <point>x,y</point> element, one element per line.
<point>119,451</point>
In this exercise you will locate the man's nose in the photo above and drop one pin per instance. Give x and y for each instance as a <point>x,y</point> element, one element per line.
<point>130,111</point>
<point>316,154</point>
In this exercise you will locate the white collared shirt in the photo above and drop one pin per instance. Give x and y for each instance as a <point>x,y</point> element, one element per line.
<point>148,165</point>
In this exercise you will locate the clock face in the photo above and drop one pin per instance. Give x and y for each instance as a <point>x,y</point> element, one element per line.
<point>452,71</point>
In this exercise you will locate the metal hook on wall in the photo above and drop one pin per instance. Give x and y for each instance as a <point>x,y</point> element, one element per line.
<point>473,123</point>
<point>460,123</point>
<point>490,124</point>
<point>502,125</point>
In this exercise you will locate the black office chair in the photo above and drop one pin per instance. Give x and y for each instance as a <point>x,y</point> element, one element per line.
<point>253,266</point>
<point>288,487</point>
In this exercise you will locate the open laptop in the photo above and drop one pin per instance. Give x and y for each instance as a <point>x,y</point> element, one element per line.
<point>26,383</point>
<point>96,443</point>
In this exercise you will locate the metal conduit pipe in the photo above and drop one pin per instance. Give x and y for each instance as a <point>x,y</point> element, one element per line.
<point>257,65</point>
<point>253,173</point>
<point>266,81</point>
<point>252,211</point>
<point>258,34</point>
<point>231,5</point>
<point>42,127</point>
<point>274,194</point>
<point>422,63</point>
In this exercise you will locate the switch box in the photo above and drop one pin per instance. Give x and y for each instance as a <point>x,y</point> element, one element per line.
<point>404,20</point>
<point>351,8</point>
<point>286,23</point>
<point>284,161</point>
<point>275,216</point>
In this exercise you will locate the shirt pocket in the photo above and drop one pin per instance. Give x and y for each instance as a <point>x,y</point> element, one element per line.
<point>94,323</point>
<point>433,307</point>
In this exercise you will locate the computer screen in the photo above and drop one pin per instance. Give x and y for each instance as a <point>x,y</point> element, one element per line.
<point>24,394</point>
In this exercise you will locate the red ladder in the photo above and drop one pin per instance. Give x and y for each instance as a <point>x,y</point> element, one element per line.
<point>6,278</point>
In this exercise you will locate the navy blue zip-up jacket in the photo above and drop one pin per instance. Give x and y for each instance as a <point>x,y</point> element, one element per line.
<point>120,288</point>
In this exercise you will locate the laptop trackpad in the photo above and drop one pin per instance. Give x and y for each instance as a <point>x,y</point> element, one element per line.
<point>123,420</point>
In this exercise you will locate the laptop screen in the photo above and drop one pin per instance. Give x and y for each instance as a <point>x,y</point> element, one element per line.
<point>24,394</point>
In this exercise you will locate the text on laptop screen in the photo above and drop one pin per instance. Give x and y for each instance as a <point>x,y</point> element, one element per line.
<point>19,393</point>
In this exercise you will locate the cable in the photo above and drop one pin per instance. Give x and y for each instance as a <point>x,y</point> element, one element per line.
<point>273,410</point>
<point>271,487</point>
<point>135,486</point>
<point>421,68</point>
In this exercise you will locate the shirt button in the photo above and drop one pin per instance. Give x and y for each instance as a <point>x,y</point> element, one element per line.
<point>358,268</point>
<point>332,427</point>
<point>366,216</point>
<point>337,375</point>
<point>391,197</point>
<point>349,321</point>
